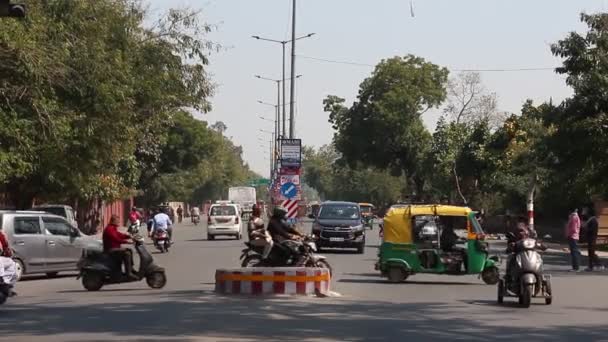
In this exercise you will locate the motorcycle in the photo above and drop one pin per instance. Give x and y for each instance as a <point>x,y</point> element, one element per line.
<point>134,228</point>
<point>525,278</point>
<point>196,219</point>
<point>98,269</point>
<point>281,256</point>
<point>161,240</point>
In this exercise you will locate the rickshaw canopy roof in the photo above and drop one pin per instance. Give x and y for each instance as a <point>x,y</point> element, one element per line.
<point>398,225</point>
<point>366,205</point>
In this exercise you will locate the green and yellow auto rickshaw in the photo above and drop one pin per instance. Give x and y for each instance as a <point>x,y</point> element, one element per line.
<point>435,239</point>
<point>367,214</point>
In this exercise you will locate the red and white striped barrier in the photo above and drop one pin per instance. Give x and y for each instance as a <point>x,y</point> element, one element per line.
<point>301,281</point>
<point>292,208</point>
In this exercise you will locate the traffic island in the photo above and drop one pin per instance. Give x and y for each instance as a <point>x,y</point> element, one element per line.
<point>295,281</point>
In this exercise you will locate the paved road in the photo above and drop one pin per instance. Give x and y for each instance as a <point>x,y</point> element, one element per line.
<point>426,308</point>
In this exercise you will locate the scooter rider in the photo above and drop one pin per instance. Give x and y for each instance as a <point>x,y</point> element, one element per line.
<point>282,233</point>
<point>112,244</point>
<point>521,231</point>
<point>163,222</point>
<point>8,271</point>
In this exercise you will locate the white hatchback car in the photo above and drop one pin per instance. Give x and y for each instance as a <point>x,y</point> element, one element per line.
<point>224,219</point>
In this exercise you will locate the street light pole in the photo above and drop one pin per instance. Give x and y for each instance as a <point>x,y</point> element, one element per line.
<point>293,71</point>
<point>283,43</point>
<point>281,133</point>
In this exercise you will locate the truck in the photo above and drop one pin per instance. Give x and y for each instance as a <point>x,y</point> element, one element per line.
<point>245,197</point>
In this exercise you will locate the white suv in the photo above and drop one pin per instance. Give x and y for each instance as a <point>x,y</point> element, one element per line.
<point>224,219</point>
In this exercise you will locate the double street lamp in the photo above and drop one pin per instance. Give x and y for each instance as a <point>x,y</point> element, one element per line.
<point>291,103</point>
<point>281,133</point>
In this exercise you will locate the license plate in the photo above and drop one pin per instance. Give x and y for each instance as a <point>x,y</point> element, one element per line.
<point>336,239</point>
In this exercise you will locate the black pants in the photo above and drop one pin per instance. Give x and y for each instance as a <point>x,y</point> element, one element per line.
<point>123,256</point>
<point>594,260</point>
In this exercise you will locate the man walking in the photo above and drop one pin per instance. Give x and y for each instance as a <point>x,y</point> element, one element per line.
<point>591,230</point>
<point>573,229</point>
<point>180,214</point>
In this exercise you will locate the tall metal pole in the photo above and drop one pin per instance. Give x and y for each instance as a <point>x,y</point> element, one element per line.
<point>271,159</point>
<point>293,73</point>
<point>280,134</point>
<point>284,97</point>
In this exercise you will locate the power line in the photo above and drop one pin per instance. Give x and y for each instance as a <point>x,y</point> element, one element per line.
<point>459,70</point>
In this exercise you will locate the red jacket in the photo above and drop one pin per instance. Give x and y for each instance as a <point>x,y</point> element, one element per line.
<point>112,238</point>
<point>5,248</point>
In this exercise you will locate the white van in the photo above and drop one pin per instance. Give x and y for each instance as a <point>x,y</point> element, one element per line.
<point>224,219</point>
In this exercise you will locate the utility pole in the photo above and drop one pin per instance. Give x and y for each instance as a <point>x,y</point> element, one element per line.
<point>293,73</point>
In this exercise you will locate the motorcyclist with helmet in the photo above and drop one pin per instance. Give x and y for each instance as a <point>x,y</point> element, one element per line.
<point>284,235</point>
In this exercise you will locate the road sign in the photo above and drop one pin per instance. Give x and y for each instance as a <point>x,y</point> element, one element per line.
<point>260,182</point>
<point>295,179</point>
<point>289,190</point>
<point>291,152</point>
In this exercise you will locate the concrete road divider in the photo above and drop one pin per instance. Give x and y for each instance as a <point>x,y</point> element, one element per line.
<point>300,281</point>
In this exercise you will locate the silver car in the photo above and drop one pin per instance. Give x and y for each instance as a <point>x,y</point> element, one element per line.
<point>44,243</point>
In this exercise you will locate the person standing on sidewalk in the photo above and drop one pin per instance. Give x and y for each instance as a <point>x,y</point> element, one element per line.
<point>591,230</point>
<point>573,229</point>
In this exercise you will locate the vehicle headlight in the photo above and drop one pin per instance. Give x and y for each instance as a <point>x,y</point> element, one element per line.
<point>359,227</point>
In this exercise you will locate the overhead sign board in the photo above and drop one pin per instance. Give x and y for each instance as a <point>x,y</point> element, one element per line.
<point>291,152</point>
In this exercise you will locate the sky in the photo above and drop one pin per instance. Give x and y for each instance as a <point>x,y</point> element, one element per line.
<point>457,34</point>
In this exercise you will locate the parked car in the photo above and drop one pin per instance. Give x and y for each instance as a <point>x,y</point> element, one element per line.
<point>44,243</point>
<point>64,211</point>
<point>224,219</point>
<point>339,224</point>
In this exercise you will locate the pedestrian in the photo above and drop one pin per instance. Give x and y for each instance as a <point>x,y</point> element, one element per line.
<point>180,214</point>
<point>591,230</point>
<point>573,228</point>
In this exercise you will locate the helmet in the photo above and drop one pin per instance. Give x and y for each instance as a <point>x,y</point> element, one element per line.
<point>279,212</point>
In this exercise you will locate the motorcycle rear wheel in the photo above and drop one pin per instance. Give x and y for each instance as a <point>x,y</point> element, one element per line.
<point>92,281</point>
<point>252,260</point>
<point>324,264</point>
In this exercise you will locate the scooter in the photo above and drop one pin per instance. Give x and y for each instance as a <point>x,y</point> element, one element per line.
<point>525,278</point>
<point>98,269</point>
<point>196,219</point>
<point>161,240</point>
<point>134,228</point>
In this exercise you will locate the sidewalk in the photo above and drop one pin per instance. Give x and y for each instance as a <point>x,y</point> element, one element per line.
<point>566,250</point>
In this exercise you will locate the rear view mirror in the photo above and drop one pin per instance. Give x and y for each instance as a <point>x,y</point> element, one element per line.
<point>74,232</point>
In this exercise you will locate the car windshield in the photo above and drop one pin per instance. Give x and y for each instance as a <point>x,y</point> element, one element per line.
<point>224,210</point>
<point>336,212</point>
<point>54,210</point>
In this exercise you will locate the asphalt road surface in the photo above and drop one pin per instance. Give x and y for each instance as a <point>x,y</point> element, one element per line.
<point>433,308</point>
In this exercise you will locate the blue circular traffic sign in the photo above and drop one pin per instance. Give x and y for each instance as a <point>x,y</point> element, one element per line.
<point>289,190</point>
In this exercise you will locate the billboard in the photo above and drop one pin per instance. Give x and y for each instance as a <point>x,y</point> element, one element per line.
<point>291,152</point>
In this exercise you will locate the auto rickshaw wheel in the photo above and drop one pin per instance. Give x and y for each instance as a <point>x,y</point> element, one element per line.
<point>397,274</point>
<point>490,275</point>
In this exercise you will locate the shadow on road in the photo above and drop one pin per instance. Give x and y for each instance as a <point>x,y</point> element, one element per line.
<point>197,313</point>
<point>411,282</point>
<point>27,278</point>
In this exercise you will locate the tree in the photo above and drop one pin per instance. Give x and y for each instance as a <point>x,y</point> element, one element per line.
<point>581,138</point>
<point>84,105</point>
<point>383,128</point>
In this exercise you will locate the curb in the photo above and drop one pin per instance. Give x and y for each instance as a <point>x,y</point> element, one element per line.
<point>296,281</point>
